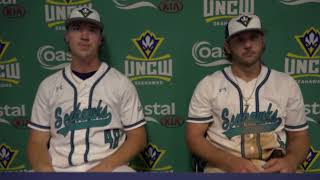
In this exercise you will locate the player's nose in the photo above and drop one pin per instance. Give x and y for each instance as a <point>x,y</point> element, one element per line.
<point>84,34</point>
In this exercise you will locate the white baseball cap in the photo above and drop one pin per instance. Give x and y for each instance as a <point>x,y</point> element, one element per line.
<point>84,14</point>
<point>242,23</point>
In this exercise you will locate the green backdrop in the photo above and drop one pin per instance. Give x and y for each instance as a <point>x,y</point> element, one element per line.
<point>183,42</point>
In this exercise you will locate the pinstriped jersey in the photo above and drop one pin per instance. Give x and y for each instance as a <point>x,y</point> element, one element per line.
<point>87,119</point>
<point>248,119</point>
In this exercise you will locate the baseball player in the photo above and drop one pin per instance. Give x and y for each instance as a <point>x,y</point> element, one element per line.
<point>247,117</point>
<point>87,116</point>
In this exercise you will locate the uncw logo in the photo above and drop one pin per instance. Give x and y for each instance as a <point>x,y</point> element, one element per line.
<point>312,160</point>
<point>151,156</point>
<point>57,11</point>
<point>220,12</point>
<point>147,69</point>
<point>7,156</point>
<point>304,67</point>
<point>311,163</point>
<point>9,68</point>
<point>247,123</point>
<point>81,119</point>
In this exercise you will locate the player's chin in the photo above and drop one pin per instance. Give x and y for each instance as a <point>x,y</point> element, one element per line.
<point>249,63</point>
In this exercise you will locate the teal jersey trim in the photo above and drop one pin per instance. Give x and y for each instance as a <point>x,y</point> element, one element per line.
<point>89,107</point>
<point>134,124</point>
<point>241,109</point>
<point>258,108</point>
<point>75,102</point>
<point>200,118</point>
<point>297,127</point>
<point>39,126</point>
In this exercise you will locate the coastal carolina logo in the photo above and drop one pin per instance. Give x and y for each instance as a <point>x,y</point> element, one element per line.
<point>312,110</point>
<point>57,11</point>
<point>151,156</point>
<point>52,59</point>
<point>167,6</point>
<point>305,68</point>
<point>312,162</point>
<point>16,115</point>
<point>147,69</point>
<point>206,54</point>
<point>298,2</point>
<point>9,68</point>
<point>162,114</point>
<point>7,156</point>
<point>218,12</point>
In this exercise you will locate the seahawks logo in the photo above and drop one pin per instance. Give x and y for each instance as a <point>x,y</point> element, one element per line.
<point>244,20</point>
<point>85,12</point>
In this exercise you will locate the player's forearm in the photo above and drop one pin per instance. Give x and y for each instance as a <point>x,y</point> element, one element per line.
<point>135,142</point>
<point>205,150</point>
<point>39,158</point>
<point>298,146</point>
<point>37,150</point>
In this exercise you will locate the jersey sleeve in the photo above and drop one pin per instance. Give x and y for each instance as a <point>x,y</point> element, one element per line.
<point>296,118</point>
<point>40,115</point>
<point>200,110</point>
<point>131,109</point>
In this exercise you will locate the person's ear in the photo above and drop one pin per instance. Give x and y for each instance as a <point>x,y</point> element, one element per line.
<point>66,39</point>
<point>101,40</point>
<point>226,47</point>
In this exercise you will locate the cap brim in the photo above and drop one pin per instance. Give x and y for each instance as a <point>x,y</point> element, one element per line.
<point>245,30</point>
<point>68,22</point>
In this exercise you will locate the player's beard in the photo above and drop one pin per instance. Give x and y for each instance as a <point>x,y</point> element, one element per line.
<point>251,61</point>
<point>248,63</point>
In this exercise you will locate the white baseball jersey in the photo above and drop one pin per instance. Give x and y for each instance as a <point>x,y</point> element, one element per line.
<point>276,106</point>
<point>87,119</point>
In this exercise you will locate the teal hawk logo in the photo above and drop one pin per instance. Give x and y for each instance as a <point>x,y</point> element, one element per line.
<point>85,12</point>
<point>244,20</point>
<point>148,43</point>
<point>151,155</point>
<point>6,156</point>
<point>148,68</point>
<point>305,67</point>
<point>310,42</point>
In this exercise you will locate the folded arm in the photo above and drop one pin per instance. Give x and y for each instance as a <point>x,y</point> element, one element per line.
<point>228,162</point>
<point>297,150</point>
<point>38,153</point>
<point>135,142</point>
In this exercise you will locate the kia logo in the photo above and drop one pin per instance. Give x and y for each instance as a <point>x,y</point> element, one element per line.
<point>13,11</point>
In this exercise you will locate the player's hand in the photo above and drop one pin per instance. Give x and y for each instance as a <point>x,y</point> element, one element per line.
<point>241,165</point>
<point>280,165</point>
